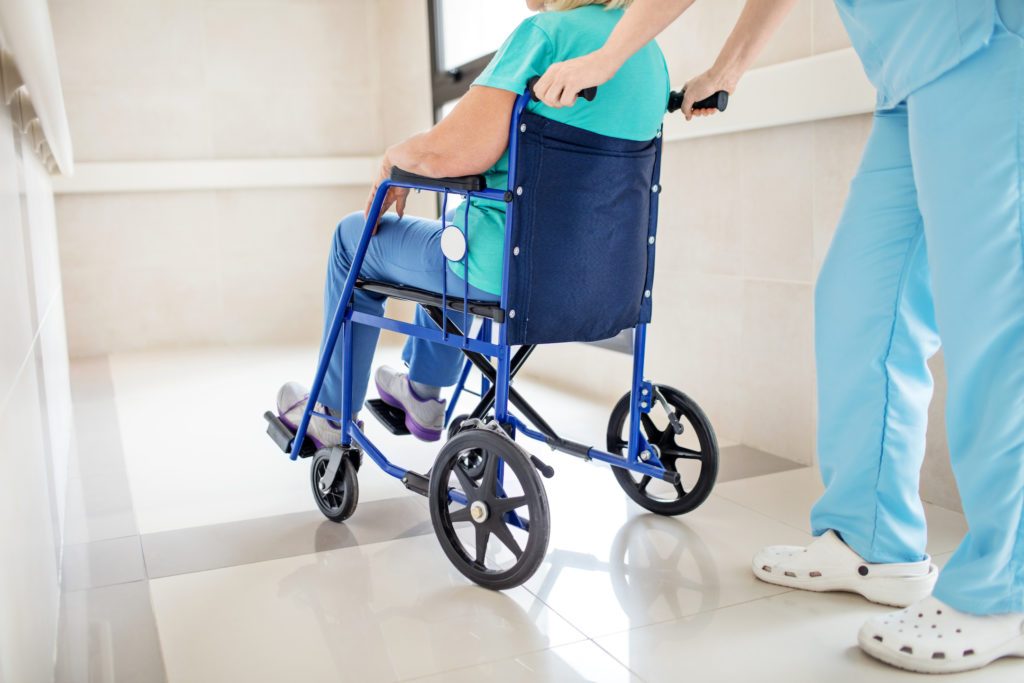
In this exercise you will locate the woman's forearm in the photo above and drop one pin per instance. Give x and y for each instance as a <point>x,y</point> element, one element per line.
<point>640,24</point>
<point>757,23</point>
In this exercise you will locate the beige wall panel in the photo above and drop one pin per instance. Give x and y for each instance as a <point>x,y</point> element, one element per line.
<point>699,227</point>
<point>695,343</point>
<point>126,44</point>
<point>829,32</point>
<point>774,190</point>
<point>778,369</point>
<point>170,269</point>
<point>139,123</point>
<point>165,79</point>
<point>794,38</point>
<point>403,52</point>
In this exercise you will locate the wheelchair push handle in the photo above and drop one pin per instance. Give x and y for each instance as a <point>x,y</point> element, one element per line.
<point>587,93</point>
<point>719,101</point>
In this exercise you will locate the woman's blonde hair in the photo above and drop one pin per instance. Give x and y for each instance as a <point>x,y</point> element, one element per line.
<point>559,5</point>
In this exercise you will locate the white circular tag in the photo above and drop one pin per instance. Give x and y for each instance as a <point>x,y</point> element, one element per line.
<point>453,243</point>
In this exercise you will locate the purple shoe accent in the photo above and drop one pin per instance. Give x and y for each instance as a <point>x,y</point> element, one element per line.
<point>415,428</point>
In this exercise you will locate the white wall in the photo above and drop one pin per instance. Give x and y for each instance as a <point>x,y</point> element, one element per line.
<point>35,412</point>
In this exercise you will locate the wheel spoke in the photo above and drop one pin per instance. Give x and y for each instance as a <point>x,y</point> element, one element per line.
<point>684,453</point>
<point>651,429</point>
<point>644,482</point>
<point>504,535</point>
<point>489,481</point>
<point>619,445</point>
<point>680,490</point>
<point>460,515</point>
<point>499,506</point>
<point>482,535</point>
<point>468,487</point>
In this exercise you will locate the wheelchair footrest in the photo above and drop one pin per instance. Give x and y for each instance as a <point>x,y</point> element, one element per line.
<point>283,436</point>
<point>417,483</point>
<point>391,417</point>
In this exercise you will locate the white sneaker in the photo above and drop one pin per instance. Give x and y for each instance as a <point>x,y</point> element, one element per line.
<point>932,637</point>
<point>828,564</point>
<point>291,403</point>
<point>424,417</point>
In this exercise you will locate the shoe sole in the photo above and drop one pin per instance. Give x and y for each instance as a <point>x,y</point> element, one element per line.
<point>892,592</point>
<point>415,428</point>
<point>1012,648</point>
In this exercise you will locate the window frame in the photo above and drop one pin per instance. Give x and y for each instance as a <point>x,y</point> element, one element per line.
<point>448,84</point>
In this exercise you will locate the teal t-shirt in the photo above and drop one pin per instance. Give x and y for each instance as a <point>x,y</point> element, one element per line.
<point>630,106</point>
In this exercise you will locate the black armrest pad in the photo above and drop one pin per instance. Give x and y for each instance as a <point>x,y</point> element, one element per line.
<point>472,183</point>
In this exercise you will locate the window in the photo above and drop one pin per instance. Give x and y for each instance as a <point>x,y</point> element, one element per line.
<point>464,35</point>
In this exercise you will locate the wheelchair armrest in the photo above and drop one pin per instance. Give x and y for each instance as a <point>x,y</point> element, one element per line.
<point>472,183</point>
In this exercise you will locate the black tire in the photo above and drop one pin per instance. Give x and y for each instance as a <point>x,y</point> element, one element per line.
<point>519,558</point>
<point>339,502</point>
<point>694,487</point>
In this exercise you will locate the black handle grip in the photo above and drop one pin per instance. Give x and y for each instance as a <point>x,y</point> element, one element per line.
<point>719,101</point>
<point>587,93</point>
<point>547,470</point>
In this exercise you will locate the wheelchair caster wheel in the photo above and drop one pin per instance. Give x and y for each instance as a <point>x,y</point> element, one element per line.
<point>336,499</point>
<point>506,502</point>
<point>693,454</point>
<point>455,425</point>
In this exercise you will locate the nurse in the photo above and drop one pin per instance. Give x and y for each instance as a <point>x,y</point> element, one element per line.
<point>929,251</point>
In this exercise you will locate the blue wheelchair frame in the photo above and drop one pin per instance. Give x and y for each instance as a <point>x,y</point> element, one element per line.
<point>640,457</point>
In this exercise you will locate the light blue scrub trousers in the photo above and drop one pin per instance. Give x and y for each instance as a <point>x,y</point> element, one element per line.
<point>404,251</point>
<point>930,247</point>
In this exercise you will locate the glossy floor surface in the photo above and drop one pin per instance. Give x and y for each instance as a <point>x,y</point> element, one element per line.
<point>195,553</point>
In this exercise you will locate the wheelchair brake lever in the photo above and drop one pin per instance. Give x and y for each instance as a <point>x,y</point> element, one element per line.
<point>677,426</point>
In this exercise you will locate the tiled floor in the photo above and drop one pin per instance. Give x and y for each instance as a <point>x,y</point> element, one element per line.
<point>195,553</point>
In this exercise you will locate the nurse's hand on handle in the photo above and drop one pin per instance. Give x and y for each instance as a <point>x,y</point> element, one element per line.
<point>699,88</point>
<point>561,83</point>
<point>644,19</point>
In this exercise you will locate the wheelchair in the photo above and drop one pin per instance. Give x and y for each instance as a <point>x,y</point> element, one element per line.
<point>578,266</point>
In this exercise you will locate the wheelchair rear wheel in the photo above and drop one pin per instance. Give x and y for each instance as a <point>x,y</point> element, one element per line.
<point>693,454</point>
<point>504,500</point>
<point>337,500</point>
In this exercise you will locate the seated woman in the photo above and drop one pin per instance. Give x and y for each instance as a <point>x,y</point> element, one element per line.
<point>472,139</point>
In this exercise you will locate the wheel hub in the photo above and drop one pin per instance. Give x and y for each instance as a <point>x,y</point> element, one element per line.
<point>479,512</point>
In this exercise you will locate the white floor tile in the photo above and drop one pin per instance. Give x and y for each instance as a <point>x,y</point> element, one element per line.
<point>796,636</point>
<point>606,574</point>
<point>195,442</point>
<point>380,612</point>
<point>583,661</point>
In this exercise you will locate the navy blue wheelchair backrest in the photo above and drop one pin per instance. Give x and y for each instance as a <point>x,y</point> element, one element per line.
<point>582,263</point>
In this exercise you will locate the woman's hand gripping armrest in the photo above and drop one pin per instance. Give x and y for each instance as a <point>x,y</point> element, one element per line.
<point>469,140</point>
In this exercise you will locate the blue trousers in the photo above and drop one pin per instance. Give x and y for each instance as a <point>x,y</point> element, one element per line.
<point>930,250</point>
<point>404,251</point>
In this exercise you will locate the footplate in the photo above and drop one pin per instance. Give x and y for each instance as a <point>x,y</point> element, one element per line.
<point>391,417</point>
<point>283,436</point>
